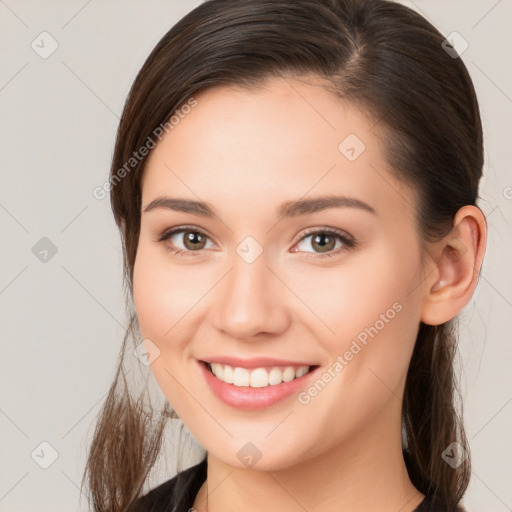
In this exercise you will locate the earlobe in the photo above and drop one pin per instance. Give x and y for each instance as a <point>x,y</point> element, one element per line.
<point>458,259</point>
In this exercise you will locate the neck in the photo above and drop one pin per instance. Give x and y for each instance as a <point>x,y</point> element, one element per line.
<point>365,473</point>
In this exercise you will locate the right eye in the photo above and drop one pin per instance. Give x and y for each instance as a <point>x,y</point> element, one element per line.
<point>193,241</point>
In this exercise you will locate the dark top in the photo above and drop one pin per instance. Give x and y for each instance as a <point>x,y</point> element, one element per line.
<point>179,493</point>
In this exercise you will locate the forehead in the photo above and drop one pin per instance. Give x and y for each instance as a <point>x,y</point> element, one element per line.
<point>283,140</point>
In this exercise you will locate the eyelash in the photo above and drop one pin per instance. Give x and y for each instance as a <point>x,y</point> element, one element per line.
<point>348,242</point>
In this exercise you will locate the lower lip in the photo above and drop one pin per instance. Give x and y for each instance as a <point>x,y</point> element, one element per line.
<point>245,397</point>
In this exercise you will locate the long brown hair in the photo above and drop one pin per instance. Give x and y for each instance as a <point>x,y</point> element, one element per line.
<point>382,57</point>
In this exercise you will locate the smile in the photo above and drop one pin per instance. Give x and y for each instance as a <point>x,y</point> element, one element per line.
<point>257,377</point>
<point>266,392</point>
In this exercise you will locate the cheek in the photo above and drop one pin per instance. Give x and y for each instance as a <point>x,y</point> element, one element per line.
<point>367,290</point>
<point>370,316</point>
<point>147,296</point>
<point>373,320</point>
<point>163,295</point>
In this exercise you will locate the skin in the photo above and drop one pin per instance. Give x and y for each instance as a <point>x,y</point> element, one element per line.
<point>246,152</point>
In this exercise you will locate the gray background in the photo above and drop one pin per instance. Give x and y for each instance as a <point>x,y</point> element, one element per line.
<point>62,320</point>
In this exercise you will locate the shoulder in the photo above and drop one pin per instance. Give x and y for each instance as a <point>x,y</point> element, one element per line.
<point>176,494</point>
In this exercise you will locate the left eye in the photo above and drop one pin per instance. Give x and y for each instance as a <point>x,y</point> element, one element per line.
<point>325,242</point>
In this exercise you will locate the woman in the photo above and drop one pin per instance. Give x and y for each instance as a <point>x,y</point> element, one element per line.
<point>322,159</point>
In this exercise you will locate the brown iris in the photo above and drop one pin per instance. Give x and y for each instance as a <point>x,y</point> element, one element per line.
<point>324,246</point>
<point>194,237</point>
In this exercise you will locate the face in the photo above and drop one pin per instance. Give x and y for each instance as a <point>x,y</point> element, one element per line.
<point>336,286</point>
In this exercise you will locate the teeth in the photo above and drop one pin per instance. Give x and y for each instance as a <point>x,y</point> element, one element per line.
<point>257,377</point>
<point>241,377</point>
<point>288,374</point>
<point>275,376</point>
<point>227,374</point>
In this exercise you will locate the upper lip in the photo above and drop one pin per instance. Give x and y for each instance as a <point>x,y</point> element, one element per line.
<point>256,362</point>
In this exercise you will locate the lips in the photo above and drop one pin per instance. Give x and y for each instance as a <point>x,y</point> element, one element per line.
<point>254,398</point>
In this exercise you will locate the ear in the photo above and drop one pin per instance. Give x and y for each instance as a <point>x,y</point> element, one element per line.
<point>457,263</point>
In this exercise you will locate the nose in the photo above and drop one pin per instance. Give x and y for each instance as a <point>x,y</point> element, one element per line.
<point>251,300</point>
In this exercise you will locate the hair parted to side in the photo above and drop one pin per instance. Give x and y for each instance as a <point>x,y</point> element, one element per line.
<point>376,54</point>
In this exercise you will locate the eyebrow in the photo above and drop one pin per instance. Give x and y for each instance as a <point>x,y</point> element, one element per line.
<point>287,209</point>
